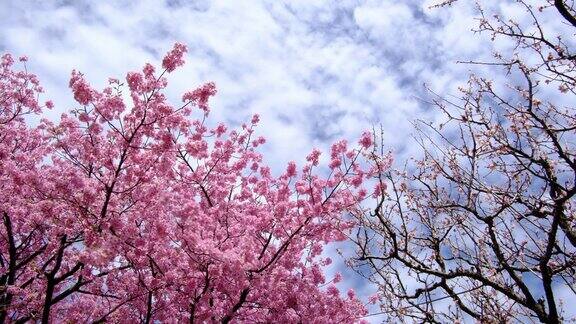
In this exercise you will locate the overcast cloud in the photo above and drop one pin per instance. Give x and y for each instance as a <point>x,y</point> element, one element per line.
<point>317,70</point>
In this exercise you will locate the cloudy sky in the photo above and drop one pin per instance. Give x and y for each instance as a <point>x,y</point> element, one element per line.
<point>315,70</point>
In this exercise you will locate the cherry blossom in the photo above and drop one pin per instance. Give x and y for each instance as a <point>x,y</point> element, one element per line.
<point>140,211</point>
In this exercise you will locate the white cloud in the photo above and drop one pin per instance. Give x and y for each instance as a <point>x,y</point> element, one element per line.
<point>383,19</point>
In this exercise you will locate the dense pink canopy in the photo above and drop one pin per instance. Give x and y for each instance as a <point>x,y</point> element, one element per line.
<point>131,209</point>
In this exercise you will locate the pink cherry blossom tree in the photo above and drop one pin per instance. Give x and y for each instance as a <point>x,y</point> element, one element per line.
<point>482,227</point>
<point>132,209</point>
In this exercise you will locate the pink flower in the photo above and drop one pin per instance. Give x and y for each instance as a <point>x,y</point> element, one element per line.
<point>83,93</point>
<point>291,169</point>
<point>337,277</point>
<point>314,156</point>
<point>351,294</point>
<point>148,70</point>
<point>84,117</point>
<point>335,163</point>
<point>7,60</point>
<point>135,81</point>
<point>366,139</point>
<point>317,275</point>
<point>379,189</point>
<point>357,180</point>
<point>174,58</point>
<point>259,141</point>
<point>332,290</point>
<point>220,130</point>
<point>338,148</point>
<point>200,96</point>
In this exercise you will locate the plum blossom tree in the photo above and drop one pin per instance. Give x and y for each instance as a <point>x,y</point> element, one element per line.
<point>482,227</point>
<point>131,209</point>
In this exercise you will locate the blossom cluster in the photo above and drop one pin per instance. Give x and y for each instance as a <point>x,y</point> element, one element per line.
<point>142,211</point>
